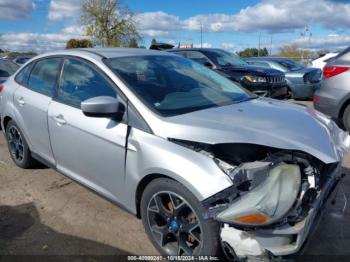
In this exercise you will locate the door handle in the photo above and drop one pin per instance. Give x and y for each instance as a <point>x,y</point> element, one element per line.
<point>60,120</point>
<point>20,101</point>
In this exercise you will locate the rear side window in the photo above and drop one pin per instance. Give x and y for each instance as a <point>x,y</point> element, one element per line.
<point>81,81</point>
<point>43,78</point>
<point>22,77</point>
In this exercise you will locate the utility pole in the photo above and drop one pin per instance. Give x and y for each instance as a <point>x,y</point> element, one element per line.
<point>201,35</point>
<point>271,45</point>
<point>259,43</point>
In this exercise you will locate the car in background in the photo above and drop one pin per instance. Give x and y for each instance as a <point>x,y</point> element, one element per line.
<point>204,164</point>
<point>20,60</point>
<point>7,68</point>
<point>261,81</point>
<point>302,81</point>
<point>333,98</point>
<point>323,60</point>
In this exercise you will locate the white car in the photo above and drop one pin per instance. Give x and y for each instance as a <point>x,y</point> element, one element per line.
<point>322,61</point>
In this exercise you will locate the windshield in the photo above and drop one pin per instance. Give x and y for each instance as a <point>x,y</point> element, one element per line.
<point>224,58</point>
<point>291,65</point>
<point>7,68</point>
<point>172,85</point>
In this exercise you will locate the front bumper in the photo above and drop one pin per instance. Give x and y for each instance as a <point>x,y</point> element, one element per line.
<point>303,90</point>
<point>288,239</point>
<point>277,91</point>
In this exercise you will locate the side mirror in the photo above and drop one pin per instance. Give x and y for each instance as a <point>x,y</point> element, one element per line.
<point>102,106</point>
<point>207,64</point>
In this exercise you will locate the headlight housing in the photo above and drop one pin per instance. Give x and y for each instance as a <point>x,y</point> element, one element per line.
<point>254,79</point>
<point>269,201</point>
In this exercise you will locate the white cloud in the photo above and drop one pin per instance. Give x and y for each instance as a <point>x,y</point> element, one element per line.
<point>228,46</point>
<point>38,42</point>
<point>268,15</point>
<point>332,41</point>
<point>153,33</point>
<point>204,45</point>
<point>14,10</point>
<point>63,9</point>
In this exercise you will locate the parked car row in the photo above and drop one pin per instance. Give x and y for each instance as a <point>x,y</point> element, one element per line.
<point>209,167</point>
<point>274,77</point>
<point>301,81</point>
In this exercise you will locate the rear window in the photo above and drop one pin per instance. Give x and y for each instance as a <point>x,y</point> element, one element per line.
<point>342,53</point>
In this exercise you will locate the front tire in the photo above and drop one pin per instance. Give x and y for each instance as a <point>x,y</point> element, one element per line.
<point>346,118</point>
<point>174,220</point>
<point>18,147</point>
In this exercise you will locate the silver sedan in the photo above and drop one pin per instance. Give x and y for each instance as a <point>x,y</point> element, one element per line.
<point>207,166</point>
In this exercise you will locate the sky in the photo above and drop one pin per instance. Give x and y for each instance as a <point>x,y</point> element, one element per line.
<point>44,25</point>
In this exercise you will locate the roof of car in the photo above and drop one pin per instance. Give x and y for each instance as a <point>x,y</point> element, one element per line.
<point>105,52</point>
<point>267,58</point>
<point>119,52</point>
<point>191,49</point>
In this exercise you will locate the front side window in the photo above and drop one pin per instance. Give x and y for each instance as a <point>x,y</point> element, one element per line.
<point>80,81</point>
<point>172,85</point>
<point>43,77</point>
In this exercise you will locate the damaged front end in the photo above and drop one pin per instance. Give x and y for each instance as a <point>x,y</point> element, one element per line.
<point>273,200</point>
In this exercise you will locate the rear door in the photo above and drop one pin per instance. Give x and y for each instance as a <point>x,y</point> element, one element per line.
<point>89,149</point>
<point>32,103</point>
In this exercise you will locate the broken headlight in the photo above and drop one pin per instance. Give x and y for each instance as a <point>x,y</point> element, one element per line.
<point>269,201</point>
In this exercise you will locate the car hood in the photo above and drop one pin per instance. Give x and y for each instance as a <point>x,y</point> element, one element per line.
<point>266,122</point>
<point>255,70</point>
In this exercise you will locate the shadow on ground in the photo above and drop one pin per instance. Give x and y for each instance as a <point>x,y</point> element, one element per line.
<point>20,228</point>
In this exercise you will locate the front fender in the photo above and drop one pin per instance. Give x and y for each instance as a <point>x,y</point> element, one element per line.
<point>149,154</point>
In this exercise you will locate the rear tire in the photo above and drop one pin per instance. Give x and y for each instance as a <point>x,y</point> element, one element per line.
<point>167,210</point>
<point>18,146</point>
<point>346,118</point>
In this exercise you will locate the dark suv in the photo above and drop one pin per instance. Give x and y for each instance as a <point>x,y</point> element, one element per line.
<point>261,81</point>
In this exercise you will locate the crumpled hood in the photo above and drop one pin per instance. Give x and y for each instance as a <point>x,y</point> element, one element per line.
<point>266,122</point>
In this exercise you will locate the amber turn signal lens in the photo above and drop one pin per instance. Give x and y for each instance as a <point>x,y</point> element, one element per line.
<point>252,219</point>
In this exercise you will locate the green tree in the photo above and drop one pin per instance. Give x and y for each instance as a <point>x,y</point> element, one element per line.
<point>133,43</point>
<point>154,41</point>
<point>110,23</point>
<point>78,43</point>
<point>293,51</point>
<point>249,52</point>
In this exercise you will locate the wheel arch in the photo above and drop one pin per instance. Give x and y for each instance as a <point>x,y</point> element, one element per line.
<point>5,121</point>
<point>146,180</point>
<point>344,105</point>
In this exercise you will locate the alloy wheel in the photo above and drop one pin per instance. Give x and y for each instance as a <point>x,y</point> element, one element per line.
<point>15,142</point>
<point>174,224</point>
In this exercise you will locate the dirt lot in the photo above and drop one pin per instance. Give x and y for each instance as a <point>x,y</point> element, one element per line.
<point>44,213</point>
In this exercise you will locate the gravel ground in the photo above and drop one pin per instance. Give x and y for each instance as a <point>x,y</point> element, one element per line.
<point>44,213</point>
